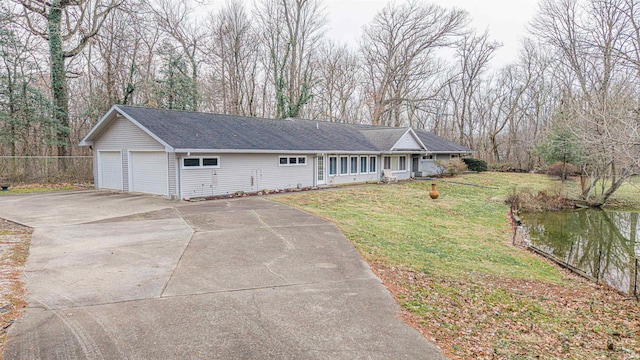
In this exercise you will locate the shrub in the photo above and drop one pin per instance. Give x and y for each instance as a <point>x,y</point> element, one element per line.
<point>451,167</point>
<point>475,164</point>
<point>525,201</point>
<point>561,170</point>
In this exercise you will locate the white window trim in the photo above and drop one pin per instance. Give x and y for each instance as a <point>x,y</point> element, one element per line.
<point>366,166</point>
<point>201,166</point>
<point>340,165</point>
<point>298,157</point>
<point>337,166</point>
<point>406,168</point>
<point>351,172</point>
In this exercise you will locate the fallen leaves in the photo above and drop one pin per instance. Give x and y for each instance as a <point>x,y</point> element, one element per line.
<point>14,247</point>
<point>488,317</point>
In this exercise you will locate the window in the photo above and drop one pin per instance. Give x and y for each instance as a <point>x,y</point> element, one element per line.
<point>363,164</point>
<point>344,165</point>
<point>372,164</point>
<point>210,162</point>
<point>402,163</point>
<point>292,160</point>
<point>354,164</point>
<point>455,156</point>
<point>427,157</point>
<point>201,162</point>
<point>387,163</point>
<point>333,165</point>
<point>191,162</point>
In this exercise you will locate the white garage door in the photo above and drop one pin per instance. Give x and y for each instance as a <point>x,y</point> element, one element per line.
<point>148,171</point>
<point>110,168</point>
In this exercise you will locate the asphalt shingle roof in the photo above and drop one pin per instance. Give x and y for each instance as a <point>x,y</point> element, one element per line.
<point>206,131</point>
<point>438,144</point>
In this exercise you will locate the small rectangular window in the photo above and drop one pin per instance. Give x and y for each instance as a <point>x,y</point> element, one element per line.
<point>363,164</point>
<point>292,160</point>
<point>427,157</point>
<point>333,165</point>
<point>402,163</point>
<point>211,162</point>
<point>344,165</point>
<point>455,156</point>
<point>387,163</point>
<point>191,162</point>
<point>372,164</point>
<point>354,164</point>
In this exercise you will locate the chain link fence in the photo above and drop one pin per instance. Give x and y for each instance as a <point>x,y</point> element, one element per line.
<point>16,170</point>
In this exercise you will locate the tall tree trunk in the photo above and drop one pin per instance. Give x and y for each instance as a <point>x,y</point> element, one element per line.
<point>58,80</point>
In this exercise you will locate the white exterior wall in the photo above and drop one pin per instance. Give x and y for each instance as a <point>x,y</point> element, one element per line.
<point>124,135</point>
<point>173,163</point>
<point>407,142</point>
<point>236,171</point>
<point>429,167</point>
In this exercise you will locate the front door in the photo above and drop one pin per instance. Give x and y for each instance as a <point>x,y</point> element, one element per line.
<point>320,171</point>
<point>415,164</point>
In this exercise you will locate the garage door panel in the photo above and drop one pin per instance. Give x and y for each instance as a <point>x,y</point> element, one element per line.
<point>110,168</point>
<point>149,172</point>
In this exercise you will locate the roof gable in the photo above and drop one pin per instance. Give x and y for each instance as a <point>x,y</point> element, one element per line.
<point>409,141</point>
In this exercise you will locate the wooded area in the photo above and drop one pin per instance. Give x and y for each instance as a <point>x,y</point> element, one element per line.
<point>571,96</point>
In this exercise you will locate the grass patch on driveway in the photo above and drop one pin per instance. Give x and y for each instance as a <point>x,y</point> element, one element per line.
<point>450,264</point>
<point>14,249</point>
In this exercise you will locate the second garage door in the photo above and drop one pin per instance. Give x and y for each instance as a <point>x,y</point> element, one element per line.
<point>148,171</point>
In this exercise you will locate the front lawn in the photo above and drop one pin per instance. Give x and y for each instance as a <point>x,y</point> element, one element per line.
<point>451,265</point>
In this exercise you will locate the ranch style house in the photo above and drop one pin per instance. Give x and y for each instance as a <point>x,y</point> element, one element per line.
<point>185,154</point>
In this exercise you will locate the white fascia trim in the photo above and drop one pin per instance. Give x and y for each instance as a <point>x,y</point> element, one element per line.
<point>415,137</point>
<point>84,141</point>
<point>451,152</point>
<point>254,151</point>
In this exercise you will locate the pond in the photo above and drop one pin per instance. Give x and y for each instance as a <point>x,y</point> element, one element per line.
<point>602,245</point>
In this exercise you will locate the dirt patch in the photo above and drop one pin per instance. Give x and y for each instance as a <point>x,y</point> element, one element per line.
<point>14,248</point>
<point>488,317</point>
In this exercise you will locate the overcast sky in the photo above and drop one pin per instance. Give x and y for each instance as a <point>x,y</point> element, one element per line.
<point>505,19</point>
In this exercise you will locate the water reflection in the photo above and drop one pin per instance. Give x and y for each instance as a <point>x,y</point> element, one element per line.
<point>604,244</point>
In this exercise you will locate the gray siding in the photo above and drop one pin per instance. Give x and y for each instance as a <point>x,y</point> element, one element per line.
<point>243,172</point>
<point>124,135</point>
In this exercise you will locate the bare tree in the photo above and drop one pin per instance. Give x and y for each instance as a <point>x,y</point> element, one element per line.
<point>291,30</point>
<point>397,50</point>
<point>600,90</point>
<point>337,96</point>
<point>235,47</point>
<point>473,53</point>
<point>67,25</point>
<point>174,18</point>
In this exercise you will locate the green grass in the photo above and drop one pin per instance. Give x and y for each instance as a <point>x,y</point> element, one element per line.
<point>37,189</point>
<point>451,265</point>
<point>463,231</point>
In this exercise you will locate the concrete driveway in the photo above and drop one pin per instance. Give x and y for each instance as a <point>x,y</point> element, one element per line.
<point>120,276</point>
